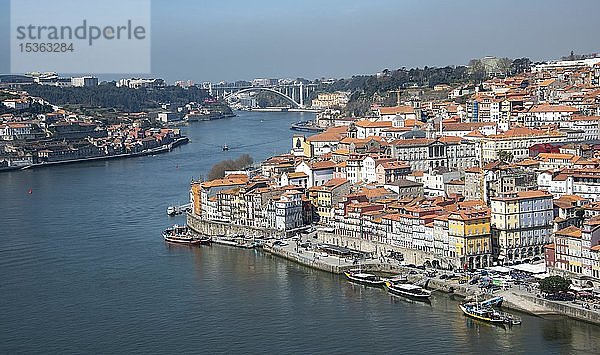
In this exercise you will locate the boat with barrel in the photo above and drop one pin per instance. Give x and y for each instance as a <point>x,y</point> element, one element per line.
<point>180,235</point>
<point>484,311</point>
<point>364,278</point>
<point>407,290</point>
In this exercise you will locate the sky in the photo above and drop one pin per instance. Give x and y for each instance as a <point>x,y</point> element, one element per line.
<point>239,40</point>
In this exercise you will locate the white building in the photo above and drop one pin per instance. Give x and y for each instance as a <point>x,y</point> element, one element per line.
<point>84,81</point>
<point>434,182</point>
<point>318,172</point>
<point>17,104</point>
<point>581,182</point>
<point>590,125</point>
<point>544,114</point>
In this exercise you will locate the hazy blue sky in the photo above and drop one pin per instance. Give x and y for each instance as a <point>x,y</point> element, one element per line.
<point>235,39</point>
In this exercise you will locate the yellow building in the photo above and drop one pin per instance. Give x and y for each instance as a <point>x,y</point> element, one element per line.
<point>326,197</point>
<point>300,147</point>
<point>470,236</point>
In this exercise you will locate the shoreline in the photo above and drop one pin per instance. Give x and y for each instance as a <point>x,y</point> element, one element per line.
<point>515,299</point>
<point>158,150</point>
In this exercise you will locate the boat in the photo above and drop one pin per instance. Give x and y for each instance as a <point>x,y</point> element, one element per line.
<point>483,311</point>
<point>306,126</point>
<point>407,290</point>
<point>178,209</point>
<point>225,147</point>
<point>487,314</point>
<point>364,278</point>
<point>171,211</point>
<point>180,235</point>
<point>206,240</point>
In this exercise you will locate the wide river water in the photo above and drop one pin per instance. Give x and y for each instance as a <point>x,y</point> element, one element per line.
<point>84,269</point>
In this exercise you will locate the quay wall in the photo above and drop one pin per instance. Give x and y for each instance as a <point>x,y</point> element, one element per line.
<point>567,310</point>
<point>306,261</point>
<point>213,228</point>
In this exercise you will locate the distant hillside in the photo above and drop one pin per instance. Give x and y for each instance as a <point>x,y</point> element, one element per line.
<point>120,98</point>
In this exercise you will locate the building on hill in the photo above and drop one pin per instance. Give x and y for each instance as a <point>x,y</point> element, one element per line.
<point>425,154</point>
<point>516,142</point>
<point>544,114</point>
<point>396,114</point>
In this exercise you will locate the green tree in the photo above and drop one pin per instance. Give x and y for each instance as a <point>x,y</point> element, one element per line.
<point>520,65</point>
<point>554,284</point>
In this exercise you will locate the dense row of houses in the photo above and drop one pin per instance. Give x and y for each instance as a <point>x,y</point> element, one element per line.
<point>27,139</point>
<point>510,176</point>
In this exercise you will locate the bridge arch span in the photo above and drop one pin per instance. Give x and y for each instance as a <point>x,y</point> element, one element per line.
<point>287,98</point>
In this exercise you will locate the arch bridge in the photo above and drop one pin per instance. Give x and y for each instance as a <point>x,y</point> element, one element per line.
<point>280,94</point>
<point>296,93</point>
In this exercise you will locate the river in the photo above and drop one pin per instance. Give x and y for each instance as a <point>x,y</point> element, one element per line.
<point>85,270</point>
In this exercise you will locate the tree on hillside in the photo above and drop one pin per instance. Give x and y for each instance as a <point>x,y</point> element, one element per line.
<point>504,65</point>
<point>477,70</point>
<point>555,284</point>
<point>520,65</point>
<point>218,170</point>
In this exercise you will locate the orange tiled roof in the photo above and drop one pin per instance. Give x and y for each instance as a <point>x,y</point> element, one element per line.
<point>396,110</point>
<point>553,108</point>
<point>570,231</point>
<point>374,124</point>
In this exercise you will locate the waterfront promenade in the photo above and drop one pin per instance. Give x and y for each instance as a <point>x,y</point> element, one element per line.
<point>517,297</point>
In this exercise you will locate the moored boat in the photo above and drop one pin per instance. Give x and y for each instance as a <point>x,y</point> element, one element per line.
<point>486,313</point>
<point>408,290</point>
<point>364,278</point>
<point>180,235</point>
<point>205,240</point>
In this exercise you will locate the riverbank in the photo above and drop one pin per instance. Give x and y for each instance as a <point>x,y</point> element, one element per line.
<point>515,298</point>
<point>158,150</point>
